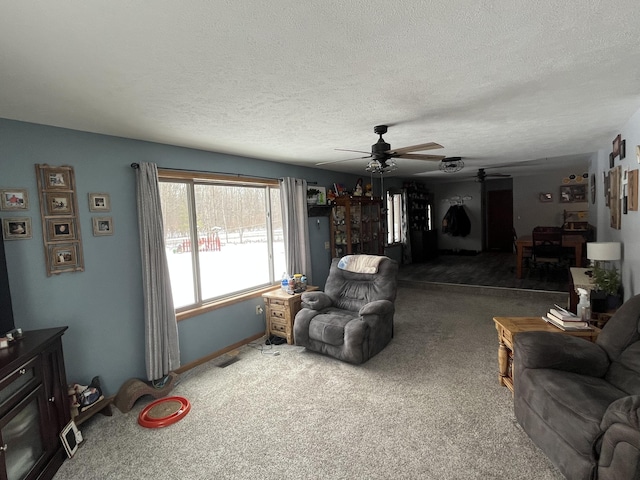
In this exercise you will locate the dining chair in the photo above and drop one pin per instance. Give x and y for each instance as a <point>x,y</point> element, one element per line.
<point>546,247</point>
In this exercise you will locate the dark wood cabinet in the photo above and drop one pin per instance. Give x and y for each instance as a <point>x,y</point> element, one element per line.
<point>422,236</point>
<point>356,226</point>
<point>33,405</point>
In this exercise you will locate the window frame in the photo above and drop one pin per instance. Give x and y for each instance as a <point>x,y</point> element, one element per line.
<point>391,215</point>
<point>192,179</point>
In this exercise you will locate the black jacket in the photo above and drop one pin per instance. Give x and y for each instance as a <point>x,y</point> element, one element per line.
<point>456,222</point>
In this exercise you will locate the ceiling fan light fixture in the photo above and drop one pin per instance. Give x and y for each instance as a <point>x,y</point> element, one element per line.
<point>451,165</point>
<point>376,166</point>
<point>373,166</point>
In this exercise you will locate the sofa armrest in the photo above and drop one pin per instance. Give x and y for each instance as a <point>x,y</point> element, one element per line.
<point>619,445</point>
<point>624,410</point>
<point>377,307</point>
<point>316,300</point>
<point>560,352</point>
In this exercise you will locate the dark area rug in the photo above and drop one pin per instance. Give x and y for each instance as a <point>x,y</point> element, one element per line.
<point>489,269</point>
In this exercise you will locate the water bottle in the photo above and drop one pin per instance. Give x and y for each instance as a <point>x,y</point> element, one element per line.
<point>284,284</point>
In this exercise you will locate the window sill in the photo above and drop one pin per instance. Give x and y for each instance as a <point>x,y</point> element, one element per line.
<point>209,307</point>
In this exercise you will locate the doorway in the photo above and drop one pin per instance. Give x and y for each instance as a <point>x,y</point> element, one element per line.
<point>500,220</point>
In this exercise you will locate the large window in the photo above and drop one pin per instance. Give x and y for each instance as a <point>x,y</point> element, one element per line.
<point>223,236</point>
<point>394,217</point>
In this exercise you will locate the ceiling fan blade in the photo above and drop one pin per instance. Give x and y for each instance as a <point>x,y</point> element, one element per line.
<point>346,150</point>
<point>497,175</point>
<point>415,148</point>
<point>341,160</point>
<point>420,156</point>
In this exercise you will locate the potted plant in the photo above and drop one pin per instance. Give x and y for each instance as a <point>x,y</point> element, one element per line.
<point>607,284</point>
<point>312,196</point>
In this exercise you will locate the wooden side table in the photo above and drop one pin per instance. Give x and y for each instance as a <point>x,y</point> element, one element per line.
<point>281,309</point>
<point>508,327</point>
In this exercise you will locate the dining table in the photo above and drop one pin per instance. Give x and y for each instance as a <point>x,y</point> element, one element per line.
<point>526,242</point>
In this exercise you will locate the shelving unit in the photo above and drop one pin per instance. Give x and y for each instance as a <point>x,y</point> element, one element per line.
<point>422,236</point>
<point>356,226</point>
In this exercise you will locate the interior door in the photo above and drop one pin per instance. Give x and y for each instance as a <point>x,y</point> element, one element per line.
<point>500,220</point>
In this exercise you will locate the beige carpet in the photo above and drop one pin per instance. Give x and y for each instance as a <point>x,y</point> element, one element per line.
<point>427,407</point>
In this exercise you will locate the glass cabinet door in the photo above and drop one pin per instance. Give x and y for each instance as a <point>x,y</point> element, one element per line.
<point>21,438</point>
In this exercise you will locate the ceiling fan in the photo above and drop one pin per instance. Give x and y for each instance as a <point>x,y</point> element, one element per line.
<point>382,156</point>
<point>481,176</point>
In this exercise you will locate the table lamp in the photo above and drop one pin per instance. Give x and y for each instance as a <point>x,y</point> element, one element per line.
<point>603,251</point>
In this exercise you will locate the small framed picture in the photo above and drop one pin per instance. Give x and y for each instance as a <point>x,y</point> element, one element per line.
<point>545,197</point>
<point>63,228</point>
<point>63,257</point>
<point>58,203</point>
<point>14,199</point>
<point>57,179</point>
<point>99,202</point>
<point>16,228</point>
<point>616,145</point>
<point>102,226</point>
<point>71,437</point>
<point>623,149</point>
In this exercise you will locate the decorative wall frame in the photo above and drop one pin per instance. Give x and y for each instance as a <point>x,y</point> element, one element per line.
<point>12,199</point>
<point>102,226</point>
<point>99,202</point>
<point>615,207</point>
<point>16,228</point>
<point>58,203</point>
<point>61,229</point>
<point>59,214</point>
<point>56,178</point>
<point>616,146</point>
<point>573,193</point>
<point>632,191</point>
<point>545,197</point>
<point>63,257</point>
<point>623,149</point>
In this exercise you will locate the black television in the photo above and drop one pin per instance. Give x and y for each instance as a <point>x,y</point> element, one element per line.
<point>6,308</point>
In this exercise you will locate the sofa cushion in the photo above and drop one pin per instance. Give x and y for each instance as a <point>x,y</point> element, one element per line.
<point>328,327</point>
<point>571,404</point>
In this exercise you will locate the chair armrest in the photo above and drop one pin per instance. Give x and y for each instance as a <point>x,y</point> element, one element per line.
<point>559,352</point>
<point>619,445</point>
<point>377,307</point>
<point>316,300</point>
<point>624,410</point>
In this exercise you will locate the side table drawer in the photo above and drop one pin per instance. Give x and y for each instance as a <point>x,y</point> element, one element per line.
<point>276,313</point>
<point>278,327</point>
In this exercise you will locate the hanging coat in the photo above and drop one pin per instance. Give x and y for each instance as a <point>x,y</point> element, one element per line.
<point>456,222</point>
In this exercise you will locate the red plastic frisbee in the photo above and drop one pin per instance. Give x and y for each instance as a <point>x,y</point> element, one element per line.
<point>164,412</point>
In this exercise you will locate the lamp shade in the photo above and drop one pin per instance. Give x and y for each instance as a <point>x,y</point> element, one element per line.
<point>603,251</point>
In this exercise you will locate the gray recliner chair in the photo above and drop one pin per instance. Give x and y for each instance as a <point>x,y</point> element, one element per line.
<point>580,401</point>
<point>352,320</point>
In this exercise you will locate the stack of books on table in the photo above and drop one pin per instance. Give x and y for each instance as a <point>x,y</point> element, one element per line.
<point>565,320</point>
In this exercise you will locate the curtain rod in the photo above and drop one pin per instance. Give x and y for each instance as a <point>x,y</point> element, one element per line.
<point>135,166</point>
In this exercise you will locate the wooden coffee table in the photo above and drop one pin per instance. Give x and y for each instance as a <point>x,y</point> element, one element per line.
<point>508,327</point>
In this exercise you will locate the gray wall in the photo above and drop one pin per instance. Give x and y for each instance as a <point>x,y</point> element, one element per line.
<point>629,234</point>
<point>103,305</point>
<point>529,211</point>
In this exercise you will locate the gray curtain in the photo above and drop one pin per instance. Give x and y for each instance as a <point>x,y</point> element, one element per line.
<point>293,197</point>
<point>162,351</point>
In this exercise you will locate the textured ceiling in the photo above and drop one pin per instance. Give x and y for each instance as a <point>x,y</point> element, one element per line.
<point>495,82</point>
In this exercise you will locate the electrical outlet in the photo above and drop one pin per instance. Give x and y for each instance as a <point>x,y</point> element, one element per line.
<point>259,310</point>
<point>327,245</point>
